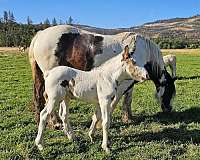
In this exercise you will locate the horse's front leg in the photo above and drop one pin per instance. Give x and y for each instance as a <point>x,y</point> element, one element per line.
<point>95,119</point>
<point>64,115</point>
<point>126,107</point>
<point>105,114</point>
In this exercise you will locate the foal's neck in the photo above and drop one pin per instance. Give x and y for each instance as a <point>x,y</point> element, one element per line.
<point>114,68</point>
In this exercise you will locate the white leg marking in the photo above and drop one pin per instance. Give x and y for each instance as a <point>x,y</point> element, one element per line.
<point>64,115</point>
<point>43,118</point>
<point>95,118</point>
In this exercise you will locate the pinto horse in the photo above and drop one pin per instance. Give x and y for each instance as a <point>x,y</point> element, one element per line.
<point>99,86</point>
<point>69,46</point>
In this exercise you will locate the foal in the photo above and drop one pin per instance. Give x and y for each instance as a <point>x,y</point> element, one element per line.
<point>98,86</point>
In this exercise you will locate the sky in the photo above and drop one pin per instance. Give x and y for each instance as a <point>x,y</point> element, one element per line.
<point>100,13</point>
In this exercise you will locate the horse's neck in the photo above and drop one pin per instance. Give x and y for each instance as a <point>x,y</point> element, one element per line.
<point>113,68</point>
<point>111,47</point>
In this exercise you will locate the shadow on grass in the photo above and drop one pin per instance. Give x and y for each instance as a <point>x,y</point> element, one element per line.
<point>168,134</point>
<point>187,116</point>
<point>188,78</point>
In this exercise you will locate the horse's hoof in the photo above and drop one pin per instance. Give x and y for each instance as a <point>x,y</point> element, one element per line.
<point>126,119</point>
<point>58,126</point>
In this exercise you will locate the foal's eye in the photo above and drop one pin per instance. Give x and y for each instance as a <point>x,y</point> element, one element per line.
<point>133,61</point>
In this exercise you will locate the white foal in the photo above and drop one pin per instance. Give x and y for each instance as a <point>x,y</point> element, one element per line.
<point>170,60</point>
<point>99,86</point>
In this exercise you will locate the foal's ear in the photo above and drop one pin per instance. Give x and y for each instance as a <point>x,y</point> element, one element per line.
<point>126,53</point>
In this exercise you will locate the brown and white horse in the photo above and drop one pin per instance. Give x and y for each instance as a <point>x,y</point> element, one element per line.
<point>67,45</point>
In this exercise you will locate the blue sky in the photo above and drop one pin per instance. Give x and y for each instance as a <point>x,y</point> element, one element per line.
<point>101,13</point>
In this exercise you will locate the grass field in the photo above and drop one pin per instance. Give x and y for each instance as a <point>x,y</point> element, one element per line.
<point>151,135</point>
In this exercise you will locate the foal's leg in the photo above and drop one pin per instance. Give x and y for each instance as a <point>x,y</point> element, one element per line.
<point>95,118</point>
<point>105,114</point>
<point>43,118</point>
<point>64,114</point>
<point>126,107</point>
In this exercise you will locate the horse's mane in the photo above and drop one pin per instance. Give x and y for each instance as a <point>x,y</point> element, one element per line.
<point>154,55</point>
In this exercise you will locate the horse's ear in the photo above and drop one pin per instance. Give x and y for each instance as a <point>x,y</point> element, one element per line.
<point>126,53</point>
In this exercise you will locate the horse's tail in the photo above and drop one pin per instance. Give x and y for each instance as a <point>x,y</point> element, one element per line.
<point>38,81</point>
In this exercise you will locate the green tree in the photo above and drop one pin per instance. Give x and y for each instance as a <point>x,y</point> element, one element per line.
<point>29,21</point>
<point>47,22</point>
<point>5,16</point>
<point>11,18</point>
<point>70,20</point>
<point>54,22</point>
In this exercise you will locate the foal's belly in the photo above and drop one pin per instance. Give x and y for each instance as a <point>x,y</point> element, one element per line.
<point>86,93</point>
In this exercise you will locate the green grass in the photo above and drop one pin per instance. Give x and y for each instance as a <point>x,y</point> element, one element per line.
<point>152,134</point>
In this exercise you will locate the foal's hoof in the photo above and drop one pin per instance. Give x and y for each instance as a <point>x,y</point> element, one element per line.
<point>70,135</point>
<point>40,147</point>
<point>106,149</point>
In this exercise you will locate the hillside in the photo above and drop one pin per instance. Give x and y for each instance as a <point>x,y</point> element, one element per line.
<point>171,28</point>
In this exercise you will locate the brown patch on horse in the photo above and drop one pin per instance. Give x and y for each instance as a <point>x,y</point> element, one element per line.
<point>74,50</point>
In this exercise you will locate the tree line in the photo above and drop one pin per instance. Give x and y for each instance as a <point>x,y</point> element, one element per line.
<point>177,43</point>
<point>13,34</point>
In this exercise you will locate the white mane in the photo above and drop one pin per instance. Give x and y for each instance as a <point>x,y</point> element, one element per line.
<point>148,51</point>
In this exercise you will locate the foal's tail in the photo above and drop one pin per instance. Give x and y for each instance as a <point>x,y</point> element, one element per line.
<point>38,81</point>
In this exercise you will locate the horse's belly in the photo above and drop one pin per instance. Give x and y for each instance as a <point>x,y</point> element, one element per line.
<point>86,94</point>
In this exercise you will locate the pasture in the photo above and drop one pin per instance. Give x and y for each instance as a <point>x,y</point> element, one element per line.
<point>151,135</point>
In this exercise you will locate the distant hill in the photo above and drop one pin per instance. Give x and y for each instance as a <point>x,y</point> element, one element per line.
<point>182,28</point>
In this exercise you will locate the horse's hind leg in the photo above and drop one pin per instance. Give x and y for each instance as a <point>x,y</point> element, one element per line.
<point>64,115</point>
<point>126,107</point>
<point>45,113</point>
<point>95,118</point>
<point>38,99</point>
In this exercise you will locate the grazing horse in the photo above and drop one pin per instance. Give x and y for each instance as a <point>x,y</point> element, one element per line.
<point>147,54</point>
<point>67,45</point>
<point>170,60</point>
<point>99,86</point>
